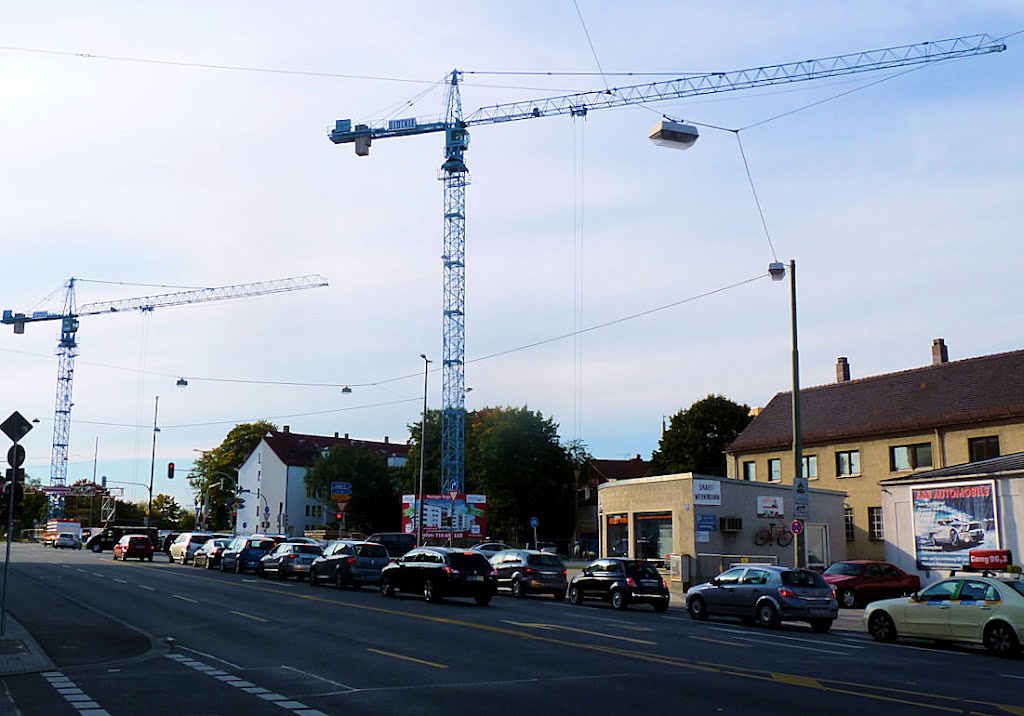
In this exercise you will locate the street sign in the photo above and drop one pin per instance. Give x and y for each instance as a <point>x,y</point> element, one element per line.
<point>340,488</point>
<point>797,527</point>
<point>266,512</point>
<point>453,494</point>
<point>342,506</point>
<point>15,427</point>
<point>534,522</point>
<point>801,512</point>
<point>16,455</point>
<point>342,498</point>
<point>56,489</point>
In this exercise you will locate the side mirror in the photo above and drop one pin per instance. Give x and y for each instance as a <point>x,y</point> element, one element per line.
<point>714,581</point>
<point>916,596</point>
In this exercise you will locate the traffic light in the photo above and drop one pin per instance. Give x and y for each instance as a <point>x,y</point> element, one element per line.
<point>337,516</point>
<point>5,498</point>
<point>170,471</point>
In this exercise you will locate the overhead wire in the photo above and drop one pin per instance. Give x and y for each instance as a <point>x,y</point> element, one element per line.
<point>590,41</point>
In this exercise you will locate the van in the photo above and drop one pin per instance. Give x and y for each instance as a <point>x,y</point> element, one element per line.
<point>396,543</point>
<point>109,536</point>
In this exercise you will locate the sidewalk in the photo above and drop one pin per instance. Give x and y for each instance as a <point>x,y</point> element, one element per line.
<point>19,652</point>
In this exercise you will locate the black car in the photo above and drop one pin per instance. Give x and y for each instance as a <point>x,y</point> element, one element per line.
<point>620,582</point>
<point>396,543</point>
<point>112,535</point>
<point>768,595</point>
<point>437,572</point>
<point>210,554</point>
<point>245,552</point>
<point>349,563</point>
<point>528,571</point>
<point>289,559</point>
<point>168,541</point>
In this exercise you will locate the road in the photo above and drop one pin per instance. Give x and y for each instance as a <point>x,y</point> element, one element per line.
<point>161,638</point>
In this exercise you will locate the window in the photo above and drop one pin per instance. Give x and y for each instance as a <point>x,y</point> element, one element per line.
<point>910,457</point>
<point>848,521</point>
<point>941,592</point>
<point>810,467</point>
<point>653,534</point>
<point>307,510</point>
<point>617,535</point>
<point>731,576</point>
<point>875,530</point>
<point>755,576</point>
<point>983,448</point>
<point>847,463</point>
<point>774,470</point>
<point>750,471</point>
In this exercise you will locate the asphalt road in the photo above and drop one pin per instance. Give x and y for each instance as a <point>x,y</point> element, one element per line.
<point>149,639</point>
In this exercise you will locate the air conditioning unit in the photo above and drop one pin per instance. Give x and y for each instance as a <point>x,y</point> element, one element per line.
<point>730,524</point>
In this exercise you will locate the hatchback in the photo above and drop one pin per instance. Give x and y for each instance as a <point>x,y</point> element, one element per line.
<point>437,572</point>
<point>349,563</point>
<point>489,549</point>
<point>396,543</point>
<point>768,595</point>
<point>210,554</point>
<point>133,546</point>
<point>620,582</point>
<point>245,552</point>
<point>859,582</point>
<point>527,571</point>
<point>186,544</point>
<point>289,559</point>
<point>66,540</point>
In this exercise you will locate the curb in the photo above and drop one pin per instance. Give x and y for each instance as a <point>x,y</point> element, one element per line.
<point>19,652</point>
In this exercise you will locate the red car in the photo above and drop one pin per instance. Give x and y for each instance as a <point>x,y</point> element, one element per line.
<point>134,546</point>
<point>860,582</point>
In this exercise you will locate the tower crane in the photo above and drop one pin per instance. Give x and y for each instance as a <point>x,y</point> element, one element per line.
<point>455,174</point>
<point>67,346</point>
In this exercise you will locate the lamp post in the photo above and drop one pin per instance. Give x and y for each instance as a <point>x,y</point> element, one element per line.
<point>152,463</point>
<point>423,450</point>
<point>801,495</point>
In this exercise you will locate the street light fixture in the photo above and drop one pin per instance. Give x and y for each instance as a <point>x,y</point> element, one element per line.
<point>182,383</point>
<point>675,135</point>
<point>801,502</point>
<point>423,444</point>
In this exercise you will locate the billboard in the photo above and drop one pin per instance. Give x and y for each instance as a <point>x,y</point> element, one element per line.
<point>468,519</point>
<point>952,519</point>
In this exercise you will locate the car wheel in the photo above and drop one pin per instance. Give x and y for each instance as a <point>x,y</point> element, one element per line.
<point>238,567</point>
<point>430,592</point>
<point>209,564</point>
<point>313,582</point>
<point>385,587</point>
<point>618,599</point>
<point>1001,640</point>
<point>847,598</point>
<point>575,596</point>
<point>698,610</point>
<point>259,571</point>
<point>881,627</point>
<point>482,600</point>
<point>223,566</point>
<point>339,579</point>
<point>767,616</point>
<point>280,573</point>
<point>660,607</point>
<point>821,626</point>
<point>97,549</point>
<point>559,596</point>
<point>518,590</point>
<point>150,558</point>
<point>954,539</point>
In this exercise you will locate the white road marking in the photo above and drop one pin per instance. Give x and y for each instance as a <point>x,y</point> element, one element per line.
<point>1012,676</point>
<point>791,638</point>
<point>320,678</point>
<point>74,695</point>
<point>248,687</point>
<point>210,656</point>
<point>788,646</point>
<point>143,586</point>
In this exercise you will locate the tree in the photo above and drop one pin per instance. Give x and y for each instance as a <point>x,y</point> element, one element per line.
<point>166,512</point>
<point>410,472</point>
<point>514,457</point>
<point>375,504</point>
<point>696,438</point>
<point>215,473</point>
<point>578,455</point>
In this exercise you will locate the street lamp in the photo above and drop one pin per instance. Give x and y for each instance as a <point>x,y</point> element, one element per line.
<point>152,462</point>
<point>801,501</point>
<point>423,445</point>
<point>675,135</point>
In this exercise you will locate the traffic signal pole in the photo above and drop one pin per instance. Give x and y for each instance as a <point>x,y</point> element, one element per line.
<point>10,488</point>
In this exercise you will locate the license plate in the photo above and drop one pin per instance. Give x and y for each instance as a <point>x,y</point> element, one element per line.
<point>649,583</point>
<point>474,578</point>
<point>821,613</point>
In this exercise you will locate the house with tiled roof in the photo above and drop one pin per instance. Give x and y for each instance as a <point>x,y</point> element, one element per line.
<point>858,432</point>
<point>595,472</point>
<point>274,487</point>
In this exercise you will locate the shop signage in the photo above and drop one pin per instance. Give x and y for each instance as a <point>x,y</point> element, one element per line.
<point>707,523</point>
<point>770,506</point>
<point>990,558</point>
<point>707,492</point>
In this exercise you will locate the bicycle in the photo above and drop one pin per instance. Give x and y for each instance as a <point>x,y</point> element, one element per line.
<point>768,535</point>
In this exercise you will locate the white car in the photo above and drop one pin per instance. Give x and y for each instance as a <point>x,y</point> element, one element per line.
<point>967,608</point>
<point>66,540</point>
<point>489,549</point>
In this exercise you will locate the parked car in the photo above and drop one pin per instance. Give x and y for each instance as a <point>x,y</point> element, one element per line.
<point>210,554</point>
<point>859,582</point>
<point>302,540</point>
<point>66,540</point>
<point>186,544</point>
<point>245,552</point>
<point>438,572</point>
<point>137,546</point>
<point>110,536</point>
<point>349,563</point>
<point>768,595</point>
<point>168,540</point>
<point>970,609</point>
<point>396,543</point>
<point>289,559</point>
<point>620,582</point>
<point>489,549</point>
<point>529,571</point>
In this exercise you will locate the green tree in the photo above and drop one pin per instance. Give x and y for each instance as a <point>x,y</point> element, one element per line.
<point>696,437</point>
<point>410,472</point>
<point>214,474</point>
<point>513,456</point>
<point>166,512</point>
<point>579,457</point>
<point>375,504</point>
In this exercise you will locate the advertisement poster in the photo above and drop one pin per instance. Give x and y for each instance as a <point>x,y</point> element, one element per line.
<point>770,507</point>
<point>469,519</point>
<point>952,519</point>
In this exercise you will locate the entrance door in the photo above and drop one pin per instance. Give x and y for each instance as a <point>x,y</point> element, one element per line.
<point>816,541</point>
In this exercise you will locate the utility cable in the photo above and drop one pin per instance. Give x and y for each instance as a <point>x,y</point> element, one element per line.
<point>757,200</point>
<point>591,42</point>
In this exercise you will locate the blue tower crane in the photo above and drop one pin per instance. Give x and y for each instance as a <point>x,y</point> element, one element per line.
<point>455,175</point>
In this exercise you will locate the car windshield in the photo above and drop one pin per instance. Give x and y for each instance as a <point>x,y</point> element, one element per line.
<point>545,560</point>
<point>846,568</point>
<point>465,561</point>
<point>642,570</point>
<point>803,578</point>
<point>308,549</point>
<point>1017,585</point>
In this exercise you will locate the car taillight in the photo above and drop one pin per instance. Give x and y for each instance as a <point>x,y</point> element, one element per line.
<point>494,573</point>
<point>449,571</point>
<point>351,560</point>
<point>630,582</point>
<point>664,583</point>
<point>529,571</point>
<point>564,572</point>
<point>291,556</point>
<point>787,593</point>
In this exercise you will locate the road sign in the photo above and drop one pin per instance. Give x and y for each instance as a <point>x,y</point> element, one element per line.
<point>534,522</point>
<point>342,506</point>
<point>801,512</point>
<point>16,455</point>
<point>56,489</point>
<point>266,512</point>
<point>797,527</point>
<point>15,427</point>
<point>342,498</point>
<point>453,494</point>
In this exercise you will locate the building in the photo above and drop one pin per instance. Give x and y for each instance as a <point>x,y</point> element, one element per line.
<point>712,522</point>
<point>857,433</point>
<point>938,517</point>
<point>274,477</point>
<point>595,473</point>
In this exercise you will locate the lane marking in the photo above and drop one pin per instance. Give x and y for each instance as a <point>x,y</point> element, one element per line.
<point>320,678</point>
<point>185,599</point>
<point>1012,676</point>
<point>559,627</point>
<point>143,586</point>
<point>721,641</point>
<point>790,646</point>
<point>208,656</point>
<point>408,658</point>
<point>788,638</point>
<point>798,680</point>
<point>250,616</point>
<point>75,697</point>
<point>120,581</point>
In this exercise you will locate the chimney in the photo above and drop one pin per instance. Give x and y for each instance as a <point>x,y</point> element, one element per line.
<point>346,436</point>
<point>335,433</point>
<point>637,457</point>
<point>940,354</point>
<point>287,429</point>
<point>385,439</point>
<point>842,370</point>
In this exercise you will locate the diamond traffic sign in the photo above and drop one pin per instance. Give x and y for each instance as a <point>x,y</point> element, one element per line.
<point>15,427</point>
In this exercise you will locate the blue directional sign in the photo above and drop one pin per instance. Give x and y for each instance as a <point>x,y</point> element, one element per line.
<point>534,522</point>
<point>707,523</point>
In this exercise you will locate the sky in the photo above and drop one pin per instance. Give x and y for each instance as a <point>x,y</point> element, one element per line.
<point>899,202</point>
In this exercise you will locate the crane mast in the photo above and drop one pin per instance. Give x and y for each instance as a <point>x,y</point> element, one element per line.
<point>455,175</point>
<point>67,347</point>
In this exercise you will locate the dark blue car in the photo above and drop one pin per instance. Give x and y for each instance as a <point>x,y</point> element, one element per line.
<point>245,552</point>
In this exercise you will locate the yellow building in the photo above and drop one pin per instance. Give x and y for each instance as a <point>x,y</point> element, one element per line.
<point>856,433</point>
